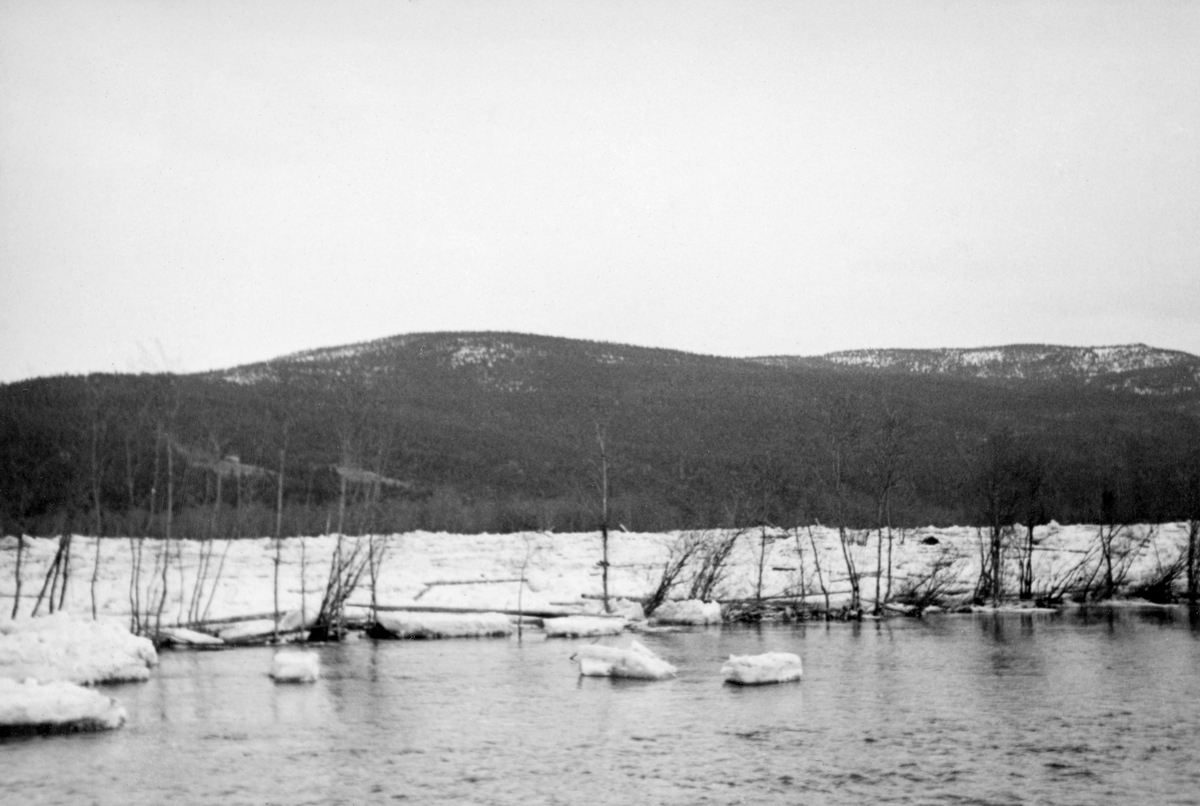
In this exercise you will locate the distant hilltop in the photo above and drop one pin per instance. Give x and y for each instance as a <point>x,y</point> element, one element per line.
<point>1136,368</point>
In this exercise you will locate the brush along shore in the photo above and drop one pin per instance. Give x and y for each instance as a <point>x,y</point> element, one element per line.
<point>169,588</point>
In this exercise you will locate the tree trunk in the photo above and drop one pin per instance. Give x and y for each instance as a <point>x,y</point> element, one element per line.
<point>279,529</point>
<point>17,574</point>
<point>166,552</point>
<point>1193,536</point>
<point>603,517</point>
<point>820,577</point>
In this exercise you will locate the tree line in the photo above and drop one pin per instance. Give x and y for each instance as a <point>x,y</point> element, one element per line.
<point>685,449</point>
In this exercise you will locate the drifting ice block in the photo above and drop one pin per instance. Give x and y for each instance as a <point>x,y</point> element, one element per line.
<point>583,626</point>
<point>637,662</point>
<point>444,625</point>
<point>296,667</point>
<point>690,611</point>
<point>57,707</point>
<point>752,670</point>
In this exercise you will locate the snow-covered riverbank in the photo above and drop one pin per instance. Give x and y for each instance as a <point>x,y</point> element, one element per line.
<point>486,571</point>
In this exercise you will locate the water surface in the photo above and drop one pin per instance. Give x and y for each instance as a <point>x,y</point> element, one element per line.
<point>1085,707</point>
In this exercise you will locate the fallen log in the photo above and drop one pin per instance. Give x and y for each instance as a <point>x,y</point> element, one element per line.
<point>431,585</point>
<point>226,620</point>
<point>505,611</point>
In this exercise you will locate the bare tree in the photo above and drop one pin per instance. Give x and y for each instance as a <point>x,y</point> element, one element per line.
<point>885,462</point>
<point>1190,481</point>
<point>602,488</point>
<point>817,563</point>
<point>682,550</point>
<point>996,490</point>
<point>16,608</point>
<point>842,443</point>
<point>279,528</point>
<point>713,568</point>
<point>98,426</point>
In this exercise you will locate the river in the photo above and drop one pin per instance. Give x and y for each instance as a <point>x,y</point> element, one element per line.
<point>1087,707</point>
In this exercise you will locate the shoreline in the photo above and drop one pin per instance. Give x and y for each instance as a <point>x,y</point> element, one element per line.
<point>551,572</point>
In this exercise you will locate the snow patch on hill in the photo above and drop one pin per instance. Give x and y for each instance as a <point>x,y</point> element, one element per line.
<point>1033,362</point>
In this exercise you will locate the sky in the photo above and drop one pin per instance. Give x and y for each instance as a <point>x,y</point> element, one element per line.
<point>187,186</point>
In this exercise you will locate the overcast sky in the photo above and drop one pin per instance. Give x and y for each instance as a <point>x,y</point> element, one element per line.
<point>193,185</point>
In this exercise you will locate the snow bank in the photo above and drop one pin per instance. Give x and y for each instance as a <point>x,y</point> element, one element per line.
<point>296,667</point>
<point>689,611</point>
<point>583,626</point>
<point>636,662</point>
<point>772,667</point>
<point>57,707</point>
<point>60,647</point>
<point>444,625</point>
<point>482,573</point>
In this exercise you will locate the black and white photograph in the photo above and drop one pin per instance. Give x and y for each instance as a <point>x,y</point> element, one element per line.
<point>599,402</point>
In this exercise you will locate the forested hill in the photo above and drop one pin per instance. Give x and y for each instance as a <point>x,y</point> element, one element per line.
<point>502,431</point>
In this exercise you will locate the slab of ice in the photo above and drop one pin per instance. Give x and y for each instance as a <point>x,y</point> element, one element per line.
<point>772,667</point>
<point>295,620</point>
<point>629,609</point>
<point>56,707</point>
<point>180,636</point>
<point>245,632</point>
<point>583,626</point>
<point>296,667</point>
<point>61,647</point>
<point>444,625</point>
<point>636,662</point>
<point>259,630</point>
<point>689,611</point>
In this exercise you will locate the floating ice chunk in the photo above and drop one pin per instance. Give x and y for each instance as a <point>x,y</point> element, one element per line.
<point>179,636</point>
<point>583,626</point>
<point>56,707</point>
<point>636,662</point>
<point>772,667</point>
<point>689,611</point>
<point>296,667</point>
<point>61,647</point>
<point>443,625</point>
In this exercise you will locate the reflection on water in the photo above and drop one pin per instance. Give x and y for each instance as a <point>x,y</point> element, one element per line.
<point>1098,706</point>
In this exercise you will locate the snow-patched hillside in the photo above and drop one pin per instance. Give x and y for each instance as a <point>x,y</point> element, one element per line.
<point>1126,366</point>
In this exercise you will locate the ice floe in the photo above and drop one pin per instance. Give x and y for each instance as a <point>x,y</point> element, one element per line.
<point>259,630</point>
<point>442,625</point>
<point>689,611</point>
<point>583,626</point>
<point>246,632</point>
<point>296,667</point>
<point>636,662</point>
<point>62,647</point>
<point>181,636</point>
<point>56,707</point>
<point>771,667</point>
